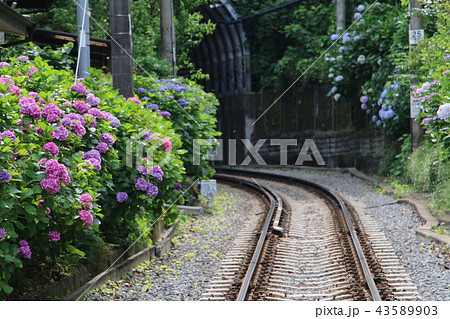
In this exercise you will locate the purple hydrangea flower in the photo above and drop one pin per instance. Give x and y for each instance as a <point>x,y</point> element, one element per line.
<point>79,88</point>
<point>8,134</point>
<point>52,112</point>
<point>4,64</point>
<point>5,176</point>
<point>25,251</point>
<point>86,217</point>
<point>147,136</point>
<point>102,147</point>
<point>185,134</point>
<point>141,184</point>
<point>177,186</point>
<point>51,185</point>
<point>443,112</point>
<point>363,106</point>
<point>374,118</point>
<point>152,190</point>
<point>30,107</point>
<point>22,58</point>
<point>95,163</point>
<point>157,173</point>
<point>121,197</point>
<point>364,99</point>
<point>2,233</point>
<point>52,148</point>
<point>357,16</point>
<point>141,90</point>
<point>81,106</point>
<point>92,154</point>
<point>360,8</point>
<point>95,112</point>
<point>334,37</point>
<point>107,138</point>
<point>142,170</point>
<point>54,236</point>
<point>339,78</point>
<point>447,57</point>
<point>92,99</point>
<point>115,123</point>
<point>152,90</point>
<point>61,133</point>
<point>182,102</point>
<point>153,106</point>
<point>165,113</point>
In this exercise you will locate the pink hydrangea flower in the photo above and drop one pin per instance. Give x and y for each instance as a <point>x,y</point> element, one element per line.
<point>134,99</point>
<point>86,199</point>
<point>54,236</point>
<point>30,107</point>
<point>79,88</point>
<point>51,185</point>
<point>167,144</point>
<point>52,148</point>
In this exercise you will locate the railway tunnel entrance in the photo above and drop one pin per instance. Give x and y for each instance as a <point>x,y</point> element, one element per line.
<point>339,129</point>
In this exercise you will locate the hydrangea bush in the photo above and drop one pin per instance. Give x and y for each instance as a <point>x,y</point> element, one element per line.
<point>366,59</point>
<point>74,160</point>
<point>433,63</point>
<point>189,108</point>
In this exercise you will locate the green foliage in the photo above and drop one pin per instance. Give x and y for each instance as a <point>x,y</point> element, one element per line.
<point>369,59</point>
<point>433,64</point>
<point>30,211</point>
<point>192,114</point>
<point>190,28</point>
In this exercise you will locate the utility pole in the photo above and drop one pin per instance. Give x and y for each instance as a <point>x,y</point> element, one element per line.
<point>168,34</point>
<point>416,33</point>
<point>340,16</point>
<point>84,54</point>
<point>121,47</point>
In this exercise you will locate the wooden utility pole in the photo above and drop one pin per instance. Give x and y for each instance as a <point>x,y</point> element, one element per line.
<point>416,33</point>
<point>340,16</point>
<point>168,34</point>
<point>121,47</point>
<point>84,54</point>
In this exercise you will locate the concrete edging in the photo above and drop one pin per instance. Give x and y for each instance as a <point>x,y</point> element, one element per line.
<point>117,272</point>
<point>419,204</point>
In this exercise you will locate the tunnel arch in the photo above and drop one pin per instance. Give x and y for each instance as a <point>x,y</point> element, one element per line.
<point>224,55</point>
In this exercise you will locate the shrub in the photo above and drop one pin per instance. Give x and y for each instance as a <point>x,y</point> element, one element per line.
<point>191,110</point>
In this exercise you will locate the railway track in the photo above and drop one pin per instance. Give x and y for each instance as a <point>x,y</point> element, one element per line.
<point>309,246</point>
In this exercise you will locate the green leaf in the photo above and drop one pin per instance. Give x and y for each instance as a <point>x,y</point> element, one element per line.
<point>30,209</point>
<point>5,287</point>
<point>74,250</point>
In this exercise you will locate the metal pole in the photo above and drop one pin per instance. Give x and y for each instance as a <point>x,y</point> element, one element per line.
<point>416,33</point>
<point>168,34</point>
<point>121,47</point>
<point>340,16</point>
<point>83,38</point>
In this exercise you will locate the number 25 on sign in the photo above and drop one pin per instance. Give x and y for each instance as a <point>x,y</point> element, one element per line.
<point>415,36</point>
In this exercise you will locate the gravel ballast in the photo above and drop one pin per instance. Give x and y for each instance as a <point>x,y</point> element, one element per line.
<point>198,249</point>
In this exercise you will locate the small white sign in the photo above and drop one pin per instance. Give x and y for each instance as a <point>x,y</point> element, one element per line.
<point>415,36</point>
<point>415,103</point>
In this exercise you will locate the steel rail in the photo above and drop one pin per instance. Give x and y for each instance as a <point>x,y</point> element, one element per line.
<point>275,206</point>
<point>374,294</point>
